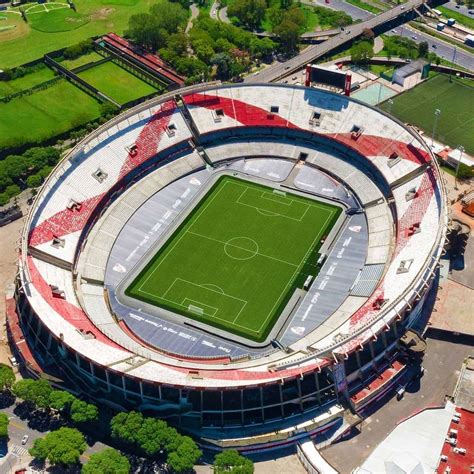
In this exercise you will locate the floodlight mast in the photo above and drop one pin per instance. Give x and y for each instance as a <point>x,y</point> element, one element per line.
<point>458,164</point>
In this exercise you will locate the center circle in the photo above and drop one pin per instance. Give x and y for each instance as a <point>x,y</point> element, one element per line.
<point>241,248</point>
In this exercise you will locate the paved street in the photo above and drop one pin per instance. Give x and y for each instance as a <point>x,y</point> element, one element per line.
<point>355,12</point>
<point>441,48</point>
<point>459,8</point>
<point>308,55</point>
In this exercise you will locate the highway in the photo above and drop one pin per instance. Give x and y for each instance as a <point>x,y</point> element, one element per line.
<point>310,54</point>
<point>443,49</point>
<point>340,5</point>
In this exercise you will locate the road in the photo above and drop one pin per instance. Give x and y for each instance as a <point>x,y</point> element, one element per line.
<point>355,12</point>
<point>462,8</point>
<point>18,452</point>
<point>194,14</point>
<point>310,54</point>
<point>441,48</point>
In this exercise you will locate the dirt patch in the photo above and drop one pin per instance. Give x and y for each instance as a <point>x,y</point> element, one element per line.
<point>102,13</point>
<point>20,28</point>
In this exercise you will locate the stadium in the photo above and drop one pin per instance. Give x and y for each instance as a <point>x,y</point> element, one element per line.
<point>241,260</point>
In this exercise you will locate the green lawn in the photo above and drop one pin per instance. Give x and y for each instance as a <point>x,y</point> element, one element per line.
<point>365,6</point>
<point>26,43</point>
<point>224,265</point>
<point>29,80</point>
<point>459,17</point>
<point>116,82</point>
<point>56,20</point>
<point>81,60</point>
<point>454,99</point>
<point>44,114</point>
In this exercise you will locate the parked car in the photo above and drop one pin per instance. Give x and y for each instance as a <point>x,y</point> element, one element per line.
<point>13,361</point>
<point>24,440</point>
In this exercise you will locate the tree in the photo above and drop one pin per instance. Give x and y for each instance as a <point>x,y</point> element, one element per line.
<point>107,461</point>
<point>60,399</point>
<point>36,392</point>
<point>288,35</point>
<point>34,181</point>
<point>83,412</point>
<point>367,35</point>
<point>231,461</point>
<point>423,49</point>
<point>186,455</point>
<point>4,421</point>
<point>361,52</point>
<point>63,446</point>
<point>250,13</point>
<point>125,426</point>
<point>7,377</point>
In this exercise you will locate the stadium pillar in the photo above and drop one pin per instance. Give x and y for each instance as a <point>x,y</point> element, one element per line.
<point>347,85</point>
<point>307,81</point>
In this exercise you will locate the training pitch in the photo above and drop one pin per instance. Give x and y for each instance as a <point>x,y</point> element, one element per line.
<point>238,257</point>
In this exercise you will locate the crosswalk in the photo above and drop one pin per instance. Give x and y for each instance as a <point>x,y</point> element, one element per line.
<point>19,450</point>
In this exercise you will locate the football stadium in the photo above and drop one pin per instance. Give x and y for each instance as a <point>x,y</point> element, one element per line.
<point>242,260</point>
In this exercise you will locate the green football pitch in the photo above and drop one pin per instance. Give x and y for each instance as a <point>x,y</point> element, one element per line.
<point>236,260</point>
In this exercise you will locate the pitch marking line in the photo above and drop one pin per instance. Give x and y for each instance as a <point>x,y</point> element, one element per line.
<point>269,197</point>
<point>298,268</point>
<point>199,304</point>
<point>242,248</point>
<point>272,213</point>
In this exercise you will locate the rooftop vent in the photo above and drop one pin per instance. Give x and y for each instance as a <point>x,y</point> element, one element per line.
<point>274,109</point>
<point>100,175</point>
<point>393,159</point>
<point>315,119</point>
<point>218,114</point>
<point>132,149</point>
<point>405,266</point>
<point>356,132</point>
<point>74,205</point>
<point>57,242</point>
<point>171,130</point>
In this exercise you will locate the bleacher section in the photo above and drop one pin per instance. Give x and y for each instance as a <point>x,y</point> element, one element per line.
<point>79,213</point>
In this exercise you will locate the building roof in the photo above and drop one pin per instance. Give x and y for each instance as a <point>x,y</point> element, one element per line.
<point>411,68</point>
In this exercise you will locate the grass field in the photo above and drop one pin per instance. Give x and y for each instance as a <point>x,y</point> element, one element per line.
<point>237,259</point>
<point>454,99</point>
<point>55,18</point>
<point>26,82</point>
<point>81,60</point>
<point>25,43</point>
<point>45,113</point>
<point>116,82</point>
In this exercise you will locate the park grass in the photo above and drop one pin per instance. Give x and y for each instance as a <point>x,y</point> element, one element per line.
<point>456,123</point>
<point>116,82</point>
<point>26,82</point>
<point>81,60</point>
<point>104,17</point>
<point>56,20</point>
<point>224,267</point>
<point>45,114</point>
<point>459,17</point>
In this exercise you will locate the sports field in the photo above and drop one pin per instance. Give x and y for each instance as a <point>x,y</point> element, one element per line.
<point>51,30</point>
<point>116,82</point>
<point>236,260</point>
<point>455,124</point>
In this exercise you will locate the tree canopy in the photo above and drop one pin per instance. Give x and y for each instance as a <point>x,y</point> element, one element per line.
<point>7,377</point>
<point>107,461</point>
<point>230,461</point>
<point>153,435</point>
<point>36,392</point>
<point>63,447</point>
<point>83,412</point>
<point>361,52</point>
<point>152,29</point>
<point>250,13</point>
<point>4,421</point>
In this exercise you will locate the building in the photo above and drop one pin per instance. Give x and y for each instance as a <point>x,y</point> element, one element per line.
<point>412,73</point>
<point>112,197</point>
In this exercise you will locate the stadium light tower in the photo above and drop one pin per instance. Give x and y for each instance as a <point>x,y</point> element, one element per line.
<point>461,150</point>
<point>437,113</point>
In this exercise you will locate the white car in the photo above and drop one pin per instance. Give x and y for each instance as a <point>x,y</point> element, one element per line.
<point>13,361</point>
<point>413,37</point>
<point>24,440</point>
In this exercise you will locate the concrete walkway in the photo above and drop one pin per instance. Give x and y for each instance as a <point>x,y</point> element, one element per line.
<point>378,44</point>
<point>194,14</point>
